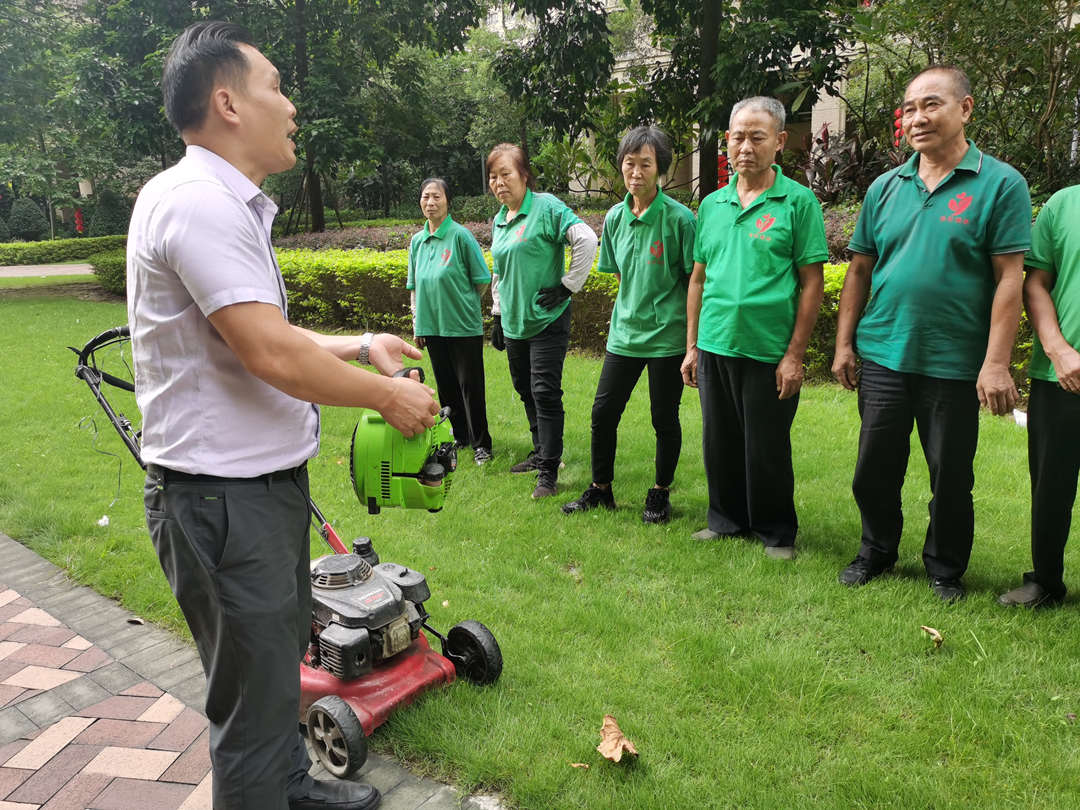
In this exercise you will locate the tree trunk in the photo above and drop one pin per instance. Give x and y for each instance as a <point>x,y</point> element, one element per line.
<point>707,149</point>
<point>314,190</point>
<point>315,200</point>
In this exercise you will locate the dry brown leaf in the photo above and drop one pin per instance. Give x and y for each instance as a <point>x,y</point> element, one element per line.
<point>612,742</point>
<point>935,635</point>
<point>584,765</point>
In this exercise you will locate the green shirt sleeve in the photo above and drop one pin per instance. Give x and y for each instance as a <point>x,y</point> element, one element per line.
<point>699,246</point>
<point>474,258</point>
<point>687,230</point>
<point>606,261</point>
<point>562,217</point>
<point>1041,255</point>
<point>863,241</point>
<point>1009,229</point>
<point>809,245</point>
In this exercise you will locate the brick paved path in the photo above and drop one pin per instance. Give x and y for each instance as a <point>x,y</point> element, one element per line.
<point>100,711</point>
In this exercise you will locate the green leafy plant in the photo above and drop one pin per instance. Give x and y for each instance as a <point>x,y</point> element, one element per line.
<point>57,251</point>
<point>27,222</point>
<point>110,267</point>
<point>5,234</point>
<point>111,214</point>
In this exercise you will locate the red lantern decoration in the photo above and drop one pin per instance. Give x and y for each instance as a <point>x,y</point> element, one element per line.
<point>78,220</point>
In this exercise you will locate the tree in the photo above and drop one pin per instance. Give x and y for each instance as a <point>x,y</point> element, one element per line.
<point>724,50</point>
<point>26,220</point>
<point>111,214</point>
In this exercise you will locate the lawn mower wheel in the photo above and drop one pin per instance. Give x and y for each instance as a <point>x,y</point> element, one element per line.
<point>336,735</point>
<point>475,652</point>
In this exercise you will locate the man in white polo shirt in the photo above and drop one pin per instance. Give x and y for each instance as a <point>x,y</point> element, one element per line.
<point>226,387</point>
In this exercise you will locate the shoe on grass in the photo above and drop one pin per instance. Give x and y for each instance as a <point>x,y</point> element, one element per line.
<point>591,498</point>
<point>1028,595</point>
<point>780,552</point>
<point>657,506</point>
<point>860,571</point>
<point>947,590</point>
<point>481,456</point>
<point>705,534</point>
<point>546,485</point>
<point>530,463</point>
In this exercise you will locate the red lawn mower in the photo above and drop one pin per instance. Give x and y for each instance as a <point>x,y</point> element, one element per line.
<point>368,653</point>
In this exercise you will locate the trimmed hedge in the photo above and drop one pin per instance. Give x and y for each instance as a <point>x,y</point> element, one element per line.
<point>57,250</point>
<point>111,214</point>
<point>5,234</point>
<point>111,269</point>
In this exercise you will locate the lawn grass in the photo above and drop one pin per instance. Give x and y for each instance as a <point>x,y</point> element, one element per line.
<point>743,682</point>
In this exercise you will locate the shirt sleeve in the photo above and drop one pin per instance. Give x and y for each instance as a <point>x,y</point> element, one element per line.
<point>212,241</point>
<point>474,258</point>
<point>863,240</point>
<point>562,217</point>
<point>699,246</point>
<point>687,230</point>
<point>410,277</point>
<point>606,262</point>
<point>1041,255</point>
<point>809,245</point>
<point>582,240</point>
<point>1009,229</point>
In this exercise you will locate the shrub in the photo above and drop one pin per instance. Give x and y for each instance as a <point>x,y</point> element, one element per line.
<point>110,267</point>
<point>474,209</point>
<point>5,234</point>
<point>111,214</point>
<point>58,250</point>
<point>27,221</point>
<point>839,227</point>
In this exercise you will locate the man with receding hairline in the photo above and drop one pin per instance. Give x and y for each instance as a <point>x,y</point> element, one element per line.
<point>930,304</point>
<point>227,388</point>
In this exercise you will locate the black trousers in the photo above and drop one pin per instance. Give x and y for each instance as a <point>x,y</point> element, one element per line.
<point>1054,462</point>
<point>746,443</point>
<point>618,377</point>
<point>236,554</point>
<point>536,366</point>
<point>946,413</point>
<point>458,363</point>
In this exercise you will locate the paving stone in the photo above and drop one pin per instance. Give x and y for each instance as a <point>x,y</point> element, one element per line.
<point>125,644</point>
<point>193,668</point>
<point>17,806</point>
<point>202,798</point>
<point>408,795</point>
<point>11,778</point>
<point>131,733</point>
<point>8,596</point>
<point>92,659</point>
<point>35,616</point>
<point>14,724</point>
<point>192,691</point>
<point>383,773</point>
<point>150,654</point>
<point>115,677</point>
<point>34,677</point>
<point>26,695</point>
<point>144,689</point>
<point>74,607</point>
<point>81,692</point>
<point>445,798</point>
<point>49,742</point>
<point>163,710</point>
<point>181,732</point>
<point>8,629</point>
<point>118,708</point>
<point>12,609</point>
<point>42,655</point>
<point>79,793</point>
<point>77,643</point>
<point>53,636</point>
<point>8,750</point>
<point>9,693</point>
<point>9,648</point>
<point>9,668</point>
<point>153,667</point>
<point>124,794</point>
<point>131,763</point>
<point>48,779</point>
<point>45,708</point>
<point>192,765</point>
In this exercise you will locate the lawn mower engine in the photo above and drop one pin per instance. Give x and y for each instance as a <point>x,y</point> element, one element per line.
<point>368,654</point>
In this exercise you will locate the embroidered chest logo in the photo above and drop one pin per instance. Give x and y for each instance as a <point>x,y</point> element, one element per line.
<point>519,234</point>
<point>958,205</point>
<point>764,222</point>
<point>446,257</point>
<point>657,251</point>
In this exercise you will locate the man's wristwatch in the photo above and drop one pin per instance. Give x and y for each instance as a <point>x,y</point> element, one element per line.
<point>365,348</point>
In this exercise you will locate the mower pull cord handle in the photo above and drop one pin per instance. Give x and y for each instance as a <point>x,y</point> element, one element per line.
<point>405,372</point>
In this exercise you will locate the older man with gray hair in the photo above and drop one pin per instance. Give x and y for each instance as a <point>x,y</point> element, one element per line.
<point>754,296</point>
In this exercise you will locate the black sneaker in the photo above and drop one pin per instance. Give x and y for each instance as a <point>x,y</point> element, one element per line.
<point>947,590</point>
<point>657,506</point>
<point>590,499</point>
<point>546,485</point>
<point>481,456</point>
<point>860,572</point>
<point>529,464</point>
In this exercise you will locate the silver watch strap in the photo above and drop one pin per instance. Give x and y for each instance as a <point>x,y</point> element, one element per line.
<point>365,348</point>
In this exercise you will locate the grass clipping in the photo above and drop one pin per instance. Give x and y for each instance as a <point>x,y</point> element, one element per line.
<point>613,742</point>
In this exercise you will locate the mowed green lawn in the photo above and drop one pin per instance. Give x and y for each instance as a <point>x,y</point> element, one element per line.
<point>742,681</point>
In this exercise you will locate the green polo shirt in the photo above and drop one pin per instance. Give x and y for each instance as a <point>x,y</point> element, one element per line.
<point>1055,248</point>
<point>528,252</point>
<point>654,256</point>
<point>752,258</point>
<point>933,285</point>
<point>444,269</point>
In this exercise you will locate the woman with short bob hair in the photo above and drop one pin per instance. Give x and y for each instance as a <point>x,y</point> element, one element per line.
<point>531,300</point>
<point>447,276</point>
<point>648,243</point>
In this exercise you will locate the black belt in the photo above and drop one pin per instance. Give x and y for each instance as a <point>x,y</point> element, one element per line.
<point>166,475</point>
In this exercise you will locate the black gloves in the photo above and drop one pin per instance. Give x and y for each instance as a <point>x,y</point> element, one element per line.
<point>551,297</point>
<point>497,341</point>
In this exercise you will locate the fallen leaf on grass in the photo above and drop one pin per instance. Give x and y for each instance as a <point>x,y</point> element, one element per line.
<point>584,765</point>
<point>935,635</point>
<point>612,742</point>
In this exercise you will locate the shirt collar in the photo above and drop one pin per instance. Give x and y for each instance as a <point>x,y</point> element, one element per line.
<point>972,161</point>
<point>440,232</point>
<point>526,205</point>
<point>729,194</point>
<point>237,182</point>
<point>649,215</point>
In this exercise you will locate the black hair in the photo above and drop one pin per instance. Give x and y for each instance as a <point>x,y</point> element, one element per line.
<point>961,82</point>
<point>441,182</point>
<point>646,135</point>
<point>521,161</point>
<point>204,53</point>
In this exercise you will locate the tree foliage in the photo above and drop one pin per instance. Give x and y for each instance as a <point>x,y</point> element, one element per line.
<point>27,222</point>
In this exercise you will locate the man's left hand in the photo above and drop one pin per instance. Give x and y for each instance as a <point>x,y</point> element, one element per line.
<point>551,297</point>
<point>789,377</point>
<point>996,389</point>
<point>387,353</point>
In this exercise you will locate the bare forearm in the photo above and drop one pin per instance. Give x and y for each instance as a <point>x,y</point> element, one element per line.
<point>810,297</point>
<point>1004,317</point>
<point>1043,315</point>
<point>344,347</point>
<point>853,297</point>
<point>693,304</point>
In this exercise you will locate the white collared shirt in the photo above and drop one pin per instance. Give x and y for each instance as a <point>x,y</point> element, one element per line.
<point>199,240</point>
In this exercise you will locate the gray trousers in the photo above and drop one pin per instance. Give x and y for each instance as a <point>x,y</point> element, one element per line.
<point>236,554</point>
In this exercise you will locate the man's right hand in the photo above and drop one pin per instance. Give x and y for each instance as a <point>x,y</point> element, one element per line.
<point>845,367</point>
<point>1067,368</point>
<point>689,367</point>
<point>411,407</point>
